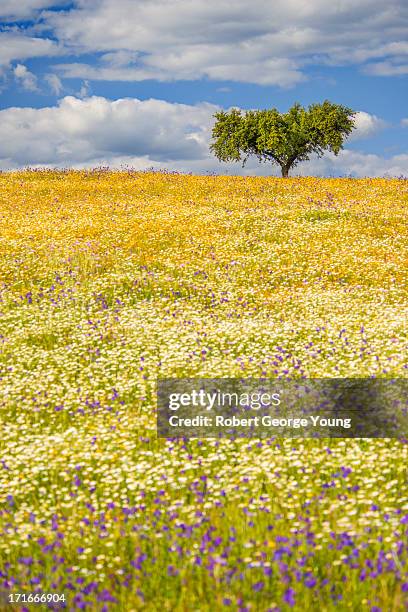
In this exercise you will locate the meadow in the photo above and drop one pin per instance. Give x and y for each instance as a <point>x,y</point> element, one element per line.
<point>110,280</point>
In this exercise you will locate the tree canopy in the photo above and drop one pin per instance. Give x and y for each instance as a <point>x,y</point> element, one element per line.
<point>281,138</point>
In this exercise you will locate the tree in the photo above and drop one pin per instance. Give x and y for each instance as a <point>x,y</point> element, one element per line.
<point>281,138</point>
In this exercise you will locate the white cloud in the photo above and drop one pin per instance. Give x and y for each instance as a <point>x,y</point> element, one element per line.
<point>366,125</point>
<point>16,46</point>
<point>118,59</point>
<point>27,79</point>
<point>142,134</point>
<point>355,163</point>
<point>258,42</point>
<point>54,83</point>
<point>280,72</point>
<point>84,91</point>
<point>262,42</point>
<point>78,131</point>
<point>387,68</point>
<point>360,54</point>
<point>12,10</point>
<point>404,122</point>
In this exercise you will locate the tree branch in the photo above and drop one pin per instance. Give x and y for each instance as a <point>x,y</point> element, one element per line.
<point>274,157</point>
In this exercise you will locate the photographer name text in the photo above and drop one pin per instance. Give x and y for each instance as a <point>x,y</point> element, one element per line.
<point>258,421</point>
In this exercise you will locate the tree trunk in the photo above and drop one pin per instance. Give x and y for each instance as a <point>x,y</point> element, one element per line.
<point>285,171</point>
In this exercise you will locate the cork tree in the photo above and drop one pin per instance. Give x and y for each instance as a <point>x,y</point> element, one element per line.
<point>284,139</point>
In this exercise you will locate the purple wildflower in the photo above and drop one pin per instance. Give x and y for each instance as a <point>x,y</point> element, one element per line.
<point>258,586</point>
<point>289,597</point>
<point>310,582</point>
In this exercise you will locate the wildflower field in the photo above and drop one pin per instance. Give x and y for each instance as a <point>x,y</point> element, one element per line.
<point>110,280</point>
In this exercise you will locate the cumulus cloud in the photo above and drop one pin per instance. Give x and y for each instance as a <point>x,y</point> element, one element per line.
<point>260,42</point>
<point>366,125</point>
<point>355,163</point>
<point>142,134</point>
<point>404,122</point>
<point>27,79</point>
<point>267,43</point>
<point>79,131</point>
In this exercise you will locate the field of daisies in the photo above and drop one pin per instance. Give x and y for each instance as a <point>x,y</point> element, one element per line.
<point>110,280</point>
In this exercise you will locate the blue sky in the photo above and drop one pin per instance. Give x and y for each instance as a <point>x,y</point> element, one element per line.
<point>136,81</point>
